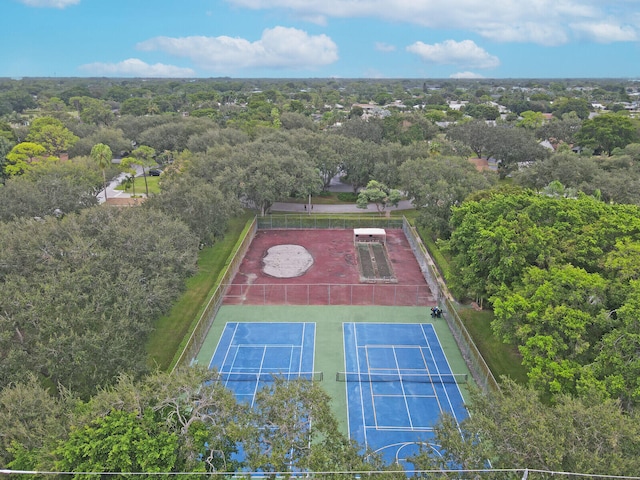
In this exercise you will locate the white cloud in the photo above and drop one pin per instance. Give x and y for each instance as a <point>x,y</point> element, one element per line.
<point>385,47</point>
<point>466,75</point>
<point>279,47</point>
<point>450,52</point>
<point>546,22</point>
<point>605,32</point>
<point>50,3</point>
<point>541,34</point>
<point>134,67</point>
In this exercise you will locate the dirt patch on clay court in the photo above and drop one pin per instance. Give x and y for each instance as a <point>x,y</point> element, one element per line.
<point>287,261</point>
<point>334,263</point>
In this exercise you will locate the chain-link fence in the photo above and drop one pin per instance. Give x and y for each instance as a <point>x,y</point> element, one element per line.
<point>326,221</point>
<point>201,329</point>
<point>472,356</point>
<point>366,294</point>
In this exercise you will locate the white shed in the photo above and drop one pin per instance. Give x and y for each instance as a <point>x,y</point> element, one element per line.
<point>369,235</point>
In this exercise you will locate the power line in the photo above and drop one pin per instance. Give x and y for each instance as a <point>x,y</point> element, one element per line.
<point>525,472</point>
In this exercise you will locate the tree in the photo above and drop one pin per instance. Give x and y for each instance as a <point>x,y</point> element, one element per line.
<point>142,156</point>
<point>436,184</point>
<point>513,146</point>
<point>5,148</point>
<point>93,111</point>
<point>52,135</point>
<point>269,170</point>
<point>607,132</point>
<point>198,203</point>
<point>564,105</point>
<point>567,168</point>
<point>560,130</point>
<point>119,442</point>
<point>531,120</point>
<point>81,293</point>
<point>380,194</point>
<point>21,157</point>
<point>358,159</point>
<point>482,111</point>
<point>207,419</point>
<point>32,419</point>
<point>49,189</point>
<point>319,149</point>
<point>102,155</point>
<point>296,429</point>
<point>474,134</point>
<point>515,428</point>
<point>617,365</point>
<point>556,317</point>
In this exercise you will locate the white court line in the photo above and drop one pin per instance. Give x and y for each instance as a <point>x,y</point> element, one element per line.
<point>364,423</point>
<point>446,391</point>
<point>346,384</point>
<point>255,390</point>
<point>406,404</point>
<point>304,326</point>
<point>226,355</point>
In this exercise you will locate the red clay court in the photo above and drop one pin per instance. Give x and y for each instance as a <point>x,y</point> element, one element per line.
<point>334,277</point>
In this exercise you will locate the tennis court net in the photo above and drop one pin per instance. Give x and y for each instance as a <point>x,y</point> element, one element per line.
<point>268,376</point>
<point>366,377</point>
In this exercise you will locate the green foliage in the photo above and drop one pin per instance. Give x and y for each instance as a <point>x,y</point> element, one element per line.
<point>347,197</point>
<point>102,155</point>
<point>564,105</point>
<point>436,184</point>
<point>608,131</point>
<point>554,270</point>
<point>50,188</point>
<point>186,421</point>
<point>22,157</point>
<point>378,193</point>
<point>515,428</point>
<point>557,317</point>
<point>52,135</point>
<point>80,294</point>
<point>119,442</point>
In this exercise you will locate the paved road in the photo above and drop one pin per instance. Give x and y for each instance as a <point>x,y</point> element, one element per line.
<point>342,208</point>
<point>111,188</point>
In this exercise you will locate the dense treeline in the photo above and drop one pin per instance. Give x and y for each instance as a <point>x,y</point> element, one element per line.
<point>185,422</point>
<point>561,275</point>
<point>80,294</point>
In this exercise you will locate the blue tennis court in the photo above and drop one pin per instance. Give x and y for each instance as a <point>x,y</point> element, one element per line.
<point>398,381</point>
<point>249,355</point>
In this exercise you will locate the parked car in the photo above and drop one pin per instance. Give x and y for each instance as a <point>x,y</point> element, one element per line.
<point>155,172</point>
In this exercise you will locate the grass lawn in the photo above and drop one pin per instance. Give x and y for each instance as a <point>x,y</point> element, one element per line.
<point>501,358</point>
<point>325,198</point>
<point>172,329</point>
<point>154,187</point>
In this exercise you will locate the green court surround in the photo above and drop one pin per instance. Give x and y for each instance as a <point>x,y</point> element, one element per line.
<point>329,348</point>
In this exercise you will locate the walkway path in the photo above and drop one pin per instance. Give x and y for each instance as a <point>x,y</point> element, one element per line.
<point>340,208</point>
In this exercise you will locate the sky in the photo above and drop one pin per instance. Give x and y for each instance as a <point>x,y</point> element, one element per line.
<point>321,38</point>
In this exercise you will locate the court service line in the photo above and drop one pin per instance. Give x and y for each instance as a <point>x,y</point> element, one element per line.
<point>404,394</point>
<point>346,384</point>
<point>229,345</point>
<point>364,423</point>
<point>255,390</point>
<point>365,348</point>
<point>304,327</point>
<point>289,367</point>
<point>444,387</point>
